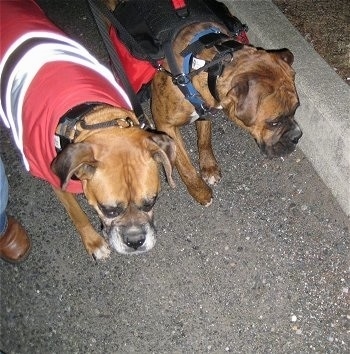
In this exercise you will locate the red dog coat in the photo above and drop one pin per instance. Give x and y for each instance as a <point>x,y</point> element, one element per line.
<point>43,74</point>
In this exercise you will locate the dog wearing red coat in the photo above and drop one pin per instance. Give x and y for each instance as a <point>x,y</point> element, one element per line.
<point>75,129</point>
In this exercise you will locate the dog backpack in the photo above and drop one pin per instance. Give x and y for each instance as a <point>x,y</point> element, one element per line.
<point>153,23</point>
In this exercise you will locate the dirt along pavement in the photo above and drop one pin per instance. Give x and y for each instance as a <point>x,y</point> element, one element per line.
<point>325,25</point>
<point>264,269</point>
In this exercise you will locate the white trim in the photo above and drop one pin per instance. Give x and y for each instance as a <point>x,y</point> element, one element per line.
<point>29,65</point>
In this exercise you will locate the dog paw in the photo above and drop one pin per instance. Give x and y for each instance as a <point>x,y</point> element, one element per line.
<point>97,247</point>
<point>211,176</point>
<point>209,203</point>
<point>101,252</point>
<point>202,194</point>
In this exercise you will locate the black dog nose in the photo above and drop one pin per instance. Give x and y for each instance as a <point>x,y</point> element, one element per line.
<point>296,137</point>
<point>294,134</point>
<point>134,238</point>
<point>136,244</point>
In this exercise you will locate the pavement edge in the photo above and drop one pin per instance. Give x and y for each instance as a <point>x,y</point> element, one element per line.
<point>324,114</point>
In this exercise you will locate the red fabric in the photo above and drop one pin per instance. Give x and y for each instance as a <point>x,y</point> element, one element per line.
<point>139,72</point>
<point>242,38</point>
<point>56,88</point>
<point>49,97</point>
<point>26,13</point>
<point>179,4</point>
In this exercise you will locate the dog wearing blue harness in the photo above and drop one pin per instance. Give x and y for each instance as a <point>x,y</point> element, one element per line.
<point>204,65</point>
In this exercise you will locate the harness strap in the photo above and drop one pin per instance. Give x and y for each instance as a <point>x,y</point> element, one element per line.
<point>99,10</point>
<point>228,47</point>
<point>204,39</point>
<point>213,73</point>
<point>183,82</point>
<point>183,79</point>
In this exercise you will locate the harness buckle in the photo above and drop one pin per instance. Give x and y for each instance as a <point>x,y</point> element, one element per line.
<point>181,79</point>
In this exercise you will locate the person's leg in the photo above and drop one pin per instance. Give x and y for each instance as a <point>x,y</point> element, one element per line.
<point>14,241</point>
<point>4,191</point>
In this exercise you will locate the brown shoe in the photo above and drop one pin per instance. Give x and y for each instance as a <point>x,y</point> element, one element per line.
<point>15,243</point>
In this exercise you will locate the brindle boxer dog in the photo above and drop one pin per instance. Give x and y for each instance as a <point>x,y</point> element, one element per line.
<point>256,90</point>
<point>75,129</point>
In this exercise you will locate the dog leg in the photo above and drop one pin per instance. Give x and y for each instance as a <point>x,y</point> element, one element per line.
<point>196,186</point>
<point>209,167</point>
<point>95,245</point>
<point>170,111</point>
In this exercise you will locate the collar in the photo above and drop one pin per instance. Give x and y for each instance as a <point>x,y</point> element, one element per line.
<point>73,122</point>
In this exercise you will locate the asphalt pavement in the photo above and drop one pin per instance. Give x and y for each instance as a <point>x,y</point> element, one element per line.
<point>264,269</point>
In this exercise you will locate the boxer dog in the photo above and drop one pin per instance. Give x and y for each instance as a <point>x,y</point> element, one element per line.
<point>254,87</point>
<point>75,129</point>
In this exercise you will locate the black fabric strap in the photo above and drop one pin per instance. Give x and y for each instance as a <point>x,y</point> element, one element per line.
<point>225,49</point>
<point>99,10</point>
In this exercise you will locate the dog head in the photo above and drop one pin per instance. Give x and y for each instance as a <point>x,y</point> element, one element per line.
<point>260,96</point>
<point>118,169</point>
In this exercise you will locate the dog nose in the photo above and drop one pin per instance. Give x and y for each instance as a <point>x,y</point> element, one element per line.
<point>295,134</point>
<point>135,244</point>
<point>134,238</point>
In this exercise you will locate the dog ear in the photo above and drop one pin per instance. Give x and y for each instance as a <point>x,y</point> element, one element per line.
<point>76,159</point>
<point>238,103</point>
<point>285,54</point>
<point>163,150</point>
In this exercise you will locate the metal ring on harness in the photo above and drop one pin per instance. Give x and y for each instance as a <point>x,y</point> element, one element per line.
<point>181,79</point>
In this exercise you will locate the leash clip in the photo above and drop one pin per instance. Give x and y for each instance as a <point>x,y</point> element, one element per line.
<point>163,70</point>
<point>126,120</point>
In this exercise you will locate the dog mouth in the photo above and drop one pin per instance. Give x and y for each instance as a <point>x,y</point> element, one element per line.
<point>284,146</point>
<point>131,239</point>
<point>279,149</point>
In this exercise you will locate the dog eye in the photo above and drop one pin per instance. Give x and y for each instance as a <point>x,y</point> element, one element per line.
<point>111,211</point>
<point>274,124</point>
<point>148,204</point>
